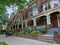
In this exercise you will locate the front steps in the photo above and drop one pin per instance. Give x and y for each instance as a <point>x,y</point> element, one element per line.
<point>47,38</point>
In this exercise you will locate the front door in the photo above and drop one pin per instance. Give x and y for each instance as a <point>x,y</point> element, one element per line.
<point>54,20</point>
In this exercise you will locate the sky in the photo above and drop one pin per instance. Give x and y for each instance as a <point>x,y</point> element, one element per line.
<point>10,10</point>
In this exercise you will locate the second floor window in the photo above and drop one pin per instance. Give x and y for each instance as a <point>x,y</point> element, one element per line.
<point>46,8</point>
<point>55,4</point>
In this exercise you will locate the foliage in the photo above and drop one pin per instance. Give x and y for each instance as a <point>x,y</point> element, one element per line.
<point>29,31</point>
<point>19,3</point>
<point>8,3</point>
<point>34,28</point>
<point>30,1</point>
<point>2,9</point>
<point>3,43</point>
<point>25,31</point>
<point>43,31</point>
<point>1,27</point>
<point>2,32</point>
<point>34,32</point>
<point>9,31</point>
<point>3,14</point>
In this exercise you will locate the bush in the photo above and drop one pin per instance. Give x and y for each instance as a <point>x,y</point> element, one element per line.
<point>9,31</point>
<point>25,31</point>
<point>2,32</point>
<point>34,32</point>
<point>43,31</point>
<point>29,31</point>
<point>3,43</point>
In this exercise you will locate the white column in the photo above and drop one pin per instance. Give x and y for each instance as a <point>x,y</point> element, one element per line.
<point>48,20</point>
<point>17,26</point>
<point>34,21</point>
<point>26,24</point>
<point>22,24</point>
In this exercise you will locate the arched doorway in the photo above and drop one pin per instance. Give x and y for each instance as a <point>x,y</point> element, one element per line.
<point>14,27</point>
<point>30,23</point>
<point>54,19</point>
<point>20,26</point>
<point>41,21</point>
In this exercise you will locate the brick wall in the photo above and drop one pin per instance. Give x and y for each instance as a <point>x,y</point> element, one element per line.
<point>25,13</point>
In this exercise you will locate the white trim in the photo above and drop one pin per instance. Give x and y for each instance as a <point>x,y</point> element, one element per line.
<point>34,22</point>
<point>26,24</point>
<point>22,24</point>
<point>58,20</point>
<point>48,20</point>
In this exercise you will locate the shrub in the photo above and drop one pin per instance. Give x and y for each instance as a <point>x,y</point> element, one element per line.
<point>34,32</point>
<point>43,31</point>
<point>2,32</point>
<point>25,31</point>
<point>3,43</point>
<point>10,31</point>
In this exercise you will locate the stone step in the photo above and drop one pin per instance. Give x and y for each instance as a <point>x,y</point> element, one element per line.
<point>48,40</point>
<point>47,36</point>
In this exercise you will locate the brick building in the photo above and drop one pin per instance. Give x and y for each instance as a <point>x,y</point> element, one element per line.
<point>39,13</point>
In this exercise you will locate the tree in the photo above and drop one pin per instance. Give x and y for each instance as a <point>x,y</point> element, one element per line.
<point>3,18</point>
<point>3,14</point>
<point>5,3</point>
<point>19,3</point>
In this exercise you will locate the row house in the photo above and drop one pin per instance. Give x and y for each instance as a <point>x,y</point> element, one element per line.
<point>41,13</point>
<point>15,21</point>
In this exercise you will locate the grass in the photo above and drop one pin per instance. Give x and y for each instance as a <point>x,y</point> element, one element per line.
<point>3,43</point>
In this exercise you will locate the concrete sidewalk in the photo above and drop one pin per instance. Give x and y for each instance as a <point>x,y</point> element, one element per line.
<point>11,40</point>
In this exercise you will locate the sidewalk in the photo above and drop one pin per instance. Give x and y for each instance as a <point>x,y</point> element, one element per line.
<point>11,40</point>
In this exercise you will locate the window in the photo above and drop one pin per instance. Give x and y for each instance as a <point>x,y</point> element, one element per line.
<point>46,8</point>
<point>14,27</point>
<point>19,26</point>
<point>37,23</point>
<point>55,5</point>
<point>49,6</point>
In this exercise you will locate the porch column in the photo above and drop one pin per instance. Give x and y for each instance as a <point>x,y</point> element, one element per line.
<point>17,26</point>
<point>26,24</point>
<point>48,20</point>
<point>34,21</point>
<point>22,24</point>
